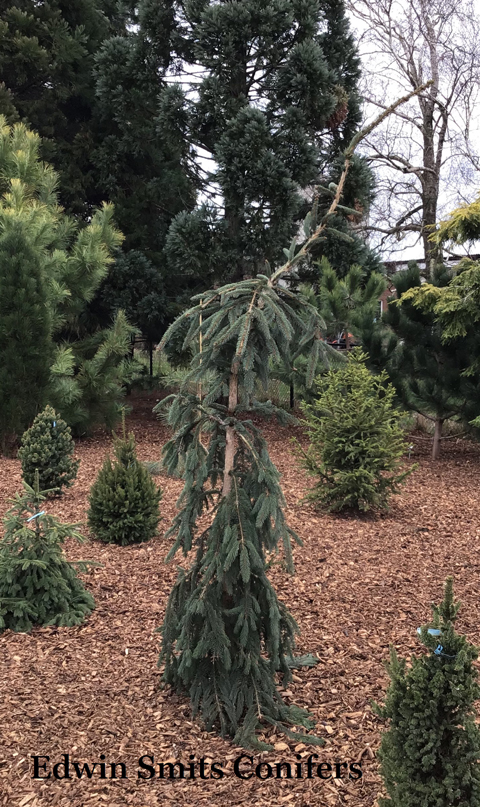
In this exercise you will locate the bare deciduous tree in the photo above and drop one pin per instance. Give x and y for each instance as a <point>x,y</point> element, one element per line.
<point>423,154</point>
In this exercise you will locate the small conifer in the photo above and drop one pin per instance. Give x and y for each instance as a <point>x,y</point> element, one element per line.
<point>47,447</point>
<point>38,586</point>
<point>124,500</point>
<point>430,753</point>
<point>356,442</point>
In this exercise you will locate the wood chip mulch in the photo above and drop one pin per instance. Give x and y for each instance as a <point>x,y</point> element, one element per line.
<point>361,584</point>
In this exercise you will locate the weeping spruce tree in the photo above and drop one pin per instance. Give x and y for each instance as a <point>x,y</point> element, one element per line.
<point>225,633</point>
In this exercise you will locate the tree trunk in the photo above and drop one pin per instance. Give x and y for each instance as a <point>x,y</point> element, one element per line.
<point>436,438</point>
<point>230,435</point>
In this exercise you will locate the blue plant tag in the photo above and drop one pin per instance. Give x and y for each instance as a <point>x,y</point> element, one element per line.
<point>431,631</point>
<point>36,516</point>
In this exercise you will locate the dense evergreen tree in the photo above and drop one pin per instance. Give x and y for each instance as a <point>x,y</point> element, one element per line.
<point>76,73</point>
<point>273,96</point>
<point>356,442</point>
<point>50,271</point>
<point>135,286</point>
<point>38,586</point>
<point>346,302</point>
<point>428,372</point>
<point>124,498</point>
<point>46,82</point>
<point>47,450</point>
<point>26,347</point>
<point>430,751</point>
<point>142,164</point>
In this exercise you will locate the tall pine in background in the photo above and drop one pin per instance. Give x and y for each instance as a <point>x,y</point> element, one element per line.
<point>269,95</point>
<point>46,81</point>
<point>143,164</point>
<point>428,372</point>
<point>26,346</point>
<point>49,271</point>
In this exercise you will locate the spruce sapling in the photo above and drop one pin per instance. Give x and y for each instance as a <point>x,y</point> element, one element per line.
<point>124,500</point>
<point>47,447</point>
<point>38,586</point>
<point>225,633</point>
<point>356,442</point>
<point>430,753</point>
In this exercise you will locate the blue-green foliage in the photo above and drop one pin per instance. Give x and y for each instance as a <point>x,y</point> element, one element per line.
<point>225,633</point>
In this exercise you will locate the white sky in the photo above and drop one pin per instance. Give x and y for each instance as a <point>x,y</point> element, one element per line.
<point>405,250</point>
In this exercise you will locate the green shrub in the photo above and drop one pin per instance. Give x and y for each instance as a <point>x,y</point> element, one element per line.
<point>47,447</point>
<point>37,585</point>
<point>356,442</point>
<point>429,755</point>
<point>124,499</point>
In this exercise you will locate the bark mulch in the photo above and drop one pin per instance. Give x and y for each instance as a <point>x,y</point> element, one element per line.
<point>361,584</point>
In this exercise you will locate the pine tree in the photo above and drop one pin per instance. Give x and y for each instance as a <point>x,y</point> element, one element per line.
<point>356,442</point>
<point>456,307</point>
<point>274,98</point>
<point>37,585</point>
<point>48,273</point>
<point>46,66</point>
<point>346,302</point>
<point>225,634</point>
<point>430,753</point>
<point>26,346</point>
<point>143,165</point>
<point>47,449</point>
<point>428,372</point>
<point>124,498</point>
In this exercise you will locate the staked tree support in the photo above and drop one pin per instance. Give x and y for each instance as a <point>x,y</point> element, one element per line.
<point>225,634</point>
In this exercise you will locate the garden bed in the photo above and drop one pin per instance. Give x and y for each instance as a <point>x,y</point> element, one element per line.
<point>361,584</point>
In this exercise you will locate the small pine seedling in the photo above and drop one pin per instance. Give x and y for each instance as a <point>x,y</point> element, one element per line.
<point>38,586</point>
<point>124,500</point>
<point>47,447</point>
<point>430,753</point>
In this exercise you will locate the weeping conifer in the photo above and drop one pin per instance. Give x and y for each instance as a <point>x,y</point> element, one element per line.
<point>225,634</point>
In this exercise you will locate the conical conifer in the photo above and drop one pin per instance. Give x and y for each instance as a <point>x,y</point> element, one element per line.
<point>38,586</point>
<point>124,500</point>
<point>430,753</point>
<point>47,447</point>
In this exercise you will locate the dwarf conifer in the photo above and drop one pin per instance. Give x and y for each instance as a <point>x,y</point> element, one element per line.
<point>430,753</point>
<point>38,586</point>
<point>356,442</point>
<point>47,447</point>
<point>124,500</point>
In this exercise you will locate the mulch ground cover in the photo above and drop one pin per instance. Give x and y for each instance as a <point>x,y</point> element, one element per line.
<point>361,584</point>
